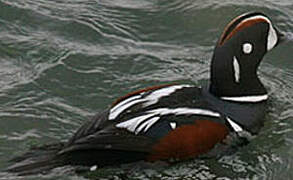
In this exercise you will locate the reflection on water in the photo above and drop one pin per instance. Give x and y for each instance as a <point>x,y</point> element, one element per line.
<point>63,61</point>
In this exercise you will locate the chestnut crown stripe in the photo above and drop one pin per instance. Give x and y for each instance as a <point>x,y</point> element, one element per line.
<point>244,24</point>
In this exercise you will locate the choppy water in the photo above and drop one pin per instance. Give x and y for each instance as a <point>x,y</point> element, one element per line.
<point>61,61</point>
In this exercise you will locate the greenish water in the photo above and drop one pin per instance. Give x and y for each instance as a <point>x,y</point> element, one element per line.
<point>62,61</point>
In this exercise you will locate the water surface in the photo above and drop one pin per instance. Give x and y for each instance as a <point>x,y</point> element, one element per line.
<point>62,61</point>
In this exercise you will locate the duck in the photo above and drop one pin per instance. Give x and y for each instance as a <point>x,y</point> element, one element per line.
<point>175,122</point>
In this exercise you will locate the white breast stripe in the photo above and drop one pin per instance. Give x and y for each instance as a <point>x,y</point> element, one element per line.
<point>144,122</point>
<point>257,98</point>
<point>236,69</point>
<point>235,126</point>
<point>150,99</point>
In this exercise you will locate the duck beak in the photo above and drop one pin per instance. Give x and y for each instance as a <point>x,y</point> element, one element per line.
<point>284,37</point>
<point>281,37</point>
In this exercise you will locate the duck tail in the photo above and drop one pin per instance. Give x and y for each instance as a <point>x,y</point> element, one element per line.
<point>37,160</point>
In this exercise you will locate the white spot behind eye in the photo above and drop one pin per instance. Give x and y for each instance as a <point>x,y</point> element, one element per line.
<point>247,48</point>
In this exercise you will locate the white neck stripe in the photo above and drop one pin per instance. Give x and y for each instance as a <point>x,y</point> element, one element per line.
<point>256,98</point>
<point>236,69</point>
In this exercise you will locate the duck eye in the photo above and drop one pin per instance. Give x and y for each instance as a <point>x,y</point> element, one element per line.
<point>247,48</point>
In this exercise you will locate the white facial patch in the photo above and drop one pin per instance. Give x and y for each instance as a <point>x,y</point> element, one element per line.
<point>236,69</point>
<point>272,38</point>
<point>247,48</point>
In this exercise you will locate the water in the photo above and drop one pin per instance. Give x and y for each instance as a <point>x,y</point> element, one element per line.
<point>62,61</point>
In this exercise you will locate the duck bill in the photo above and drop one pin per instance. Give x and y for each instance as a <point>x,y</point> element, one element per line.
<point>281,37</point>
<point>284,37</point>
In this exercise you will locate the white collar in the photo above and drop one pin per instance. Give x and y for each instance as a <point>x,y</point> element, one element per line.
<point>256,98</point>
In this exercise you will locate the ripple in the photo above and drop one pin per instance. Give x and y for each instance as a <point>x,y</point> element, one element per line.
<point>21,136</point>
<point>62,61</point>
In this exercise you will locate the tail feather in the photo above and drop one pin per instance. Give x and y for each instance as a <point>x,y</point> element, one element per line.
<point>37,160</point>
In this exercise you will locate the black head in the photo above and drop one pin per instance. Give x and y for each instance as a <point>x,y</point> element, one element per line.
<point>237,55</point>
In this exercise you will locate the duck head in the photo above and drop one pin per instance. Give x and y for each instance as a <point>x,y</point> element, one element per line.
<point>237,55</point>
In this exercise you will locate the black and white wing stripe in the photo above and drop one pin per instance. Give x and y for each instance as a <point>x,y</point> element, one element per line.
<point>144,122</point>
<point>145,100</point>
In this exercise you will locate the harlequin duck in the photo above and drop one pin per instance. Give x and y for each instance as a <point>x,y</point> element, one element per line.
<point>175,121</point>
